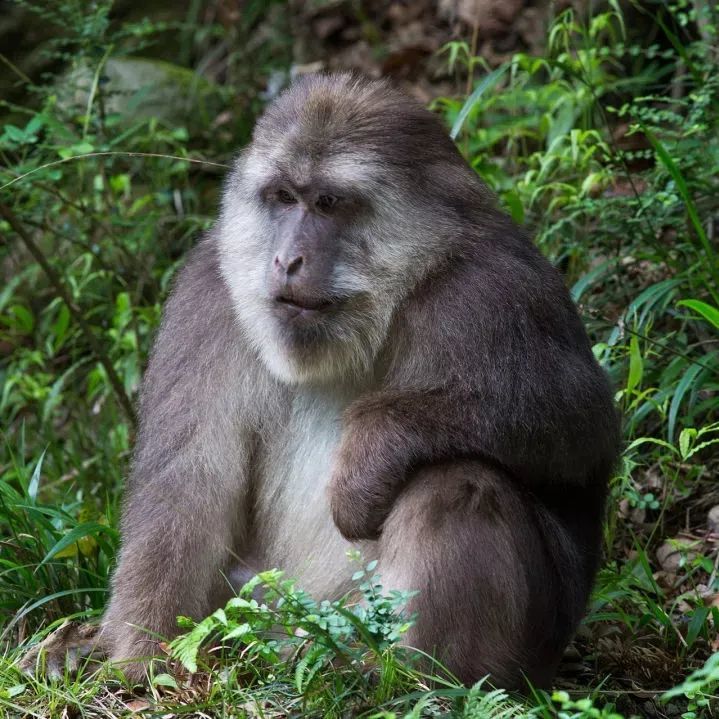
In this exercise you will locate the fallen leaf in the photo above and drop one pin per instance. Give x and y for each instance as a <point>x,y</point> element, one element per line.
<point>138,705</point>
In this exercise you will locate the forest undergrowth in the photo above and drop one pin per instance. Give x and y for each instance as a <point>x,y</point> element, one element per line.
<point>606,144</point>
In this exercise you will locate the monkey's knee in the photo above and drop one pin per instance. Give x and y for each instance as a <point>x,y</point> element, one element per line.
<point>489,599</point>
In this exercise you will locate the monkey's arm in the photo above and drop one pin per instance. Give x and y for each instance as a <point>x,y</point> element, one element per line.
<point>391,433</point>
<point>516,385</point>
<point>183,504</point>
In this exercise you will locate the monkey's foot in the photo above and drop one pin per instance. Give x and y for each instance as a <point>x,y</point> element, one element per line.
<point>69,648</point>
<point>133,654</point>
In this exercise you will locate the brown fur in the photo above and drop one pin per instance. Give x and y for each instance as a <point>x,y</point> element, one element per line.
<point>444,408</point>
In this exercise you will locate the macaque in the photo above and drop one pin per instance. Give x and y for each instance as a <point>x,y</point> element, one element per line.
<point>365,352</point>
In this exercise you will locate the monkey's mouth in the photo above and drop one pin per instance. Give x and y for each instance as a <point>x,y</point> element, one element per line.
<point>304,303</point>
<point>302,307</point>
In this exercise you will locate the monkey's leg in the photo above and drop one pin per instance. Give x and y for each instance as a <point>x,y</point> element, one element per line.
<point>502,584</point>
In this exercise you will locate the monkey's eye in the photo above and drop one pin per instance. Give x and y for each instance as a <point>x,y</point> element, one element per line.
<point>326,202</point>
<point>286,198</point>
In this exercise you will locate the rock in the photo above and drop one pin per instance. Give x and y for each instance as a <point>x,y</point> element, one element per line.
<point>713,519</point>
<point>140,88</point>
<point>676,553</point>
<point>637,515</point>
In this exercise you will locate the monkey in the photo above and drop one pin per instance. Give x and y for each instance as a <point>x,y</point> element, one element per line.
<point>366,352</point>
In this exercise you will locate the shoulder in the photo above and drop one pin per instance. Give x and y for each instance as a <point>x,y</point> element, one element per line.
<point>200,278</point>
<point>496,300</point>
<point>198,321</point>
<point>497,271</point>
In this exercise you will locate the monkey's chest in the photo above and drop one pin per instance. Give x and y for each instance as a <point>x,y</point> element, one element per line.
<point>293,523</point>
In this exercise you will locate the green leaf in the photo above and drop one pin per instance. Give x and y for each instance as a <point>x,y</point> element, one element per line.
<point>696,624</point>
<point>707,311</point>
<point>13,691</point>
<point>487,83</point>
<point>686,438</point>
<point>79,149</point>
<point>24,320</point>
<point>654,297</point>
<point>60,326</point>
<point>587,280</point>
<point>701,446</point>
<point>34,484</point>
<point>676,174</point>
<point>514,205</point>
<point>77,591</point>
<point>164,680</point>
<point>651,440</point>
<point>186,646</point>
<point>14,133</point>
<point>238,631</point>
<point>636,364</point>
<point>685,383</point>
<point>76,533</point>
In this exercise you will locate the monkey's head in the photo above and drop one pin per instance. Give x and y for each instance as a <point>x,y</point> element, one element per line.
<point>345,199</point>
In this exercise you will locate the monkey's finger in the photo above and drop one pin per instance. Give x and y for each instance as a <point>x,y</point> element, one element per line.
<point>63,650</point>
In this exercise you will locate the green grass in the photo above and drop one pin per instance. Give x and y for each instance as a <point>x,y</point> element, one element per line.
<point>607,144</point>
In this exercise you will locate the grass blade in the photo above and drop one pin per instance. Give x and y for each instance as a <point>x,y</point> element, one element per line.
<point>487,83</point>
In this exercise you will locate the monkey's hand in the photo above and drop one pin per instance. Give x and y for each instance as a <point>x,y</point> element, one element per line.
<point>71,647</point>
<point>364,482</point>
<point>83,647</point>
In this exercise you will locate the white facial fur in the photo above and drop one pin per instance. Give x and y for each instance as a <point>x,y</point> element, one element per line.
<point>246,251</point>
<point>398,244</point>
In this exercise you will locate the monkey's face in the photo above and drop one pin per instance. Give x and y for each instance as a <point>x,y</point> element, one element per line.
<point>312,288</point>
<point>308,227</point>
<point>329,219</point>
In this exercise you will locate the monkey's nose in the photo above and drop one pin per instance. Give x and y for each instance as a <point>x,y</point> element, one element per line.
<point>289,267</point>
